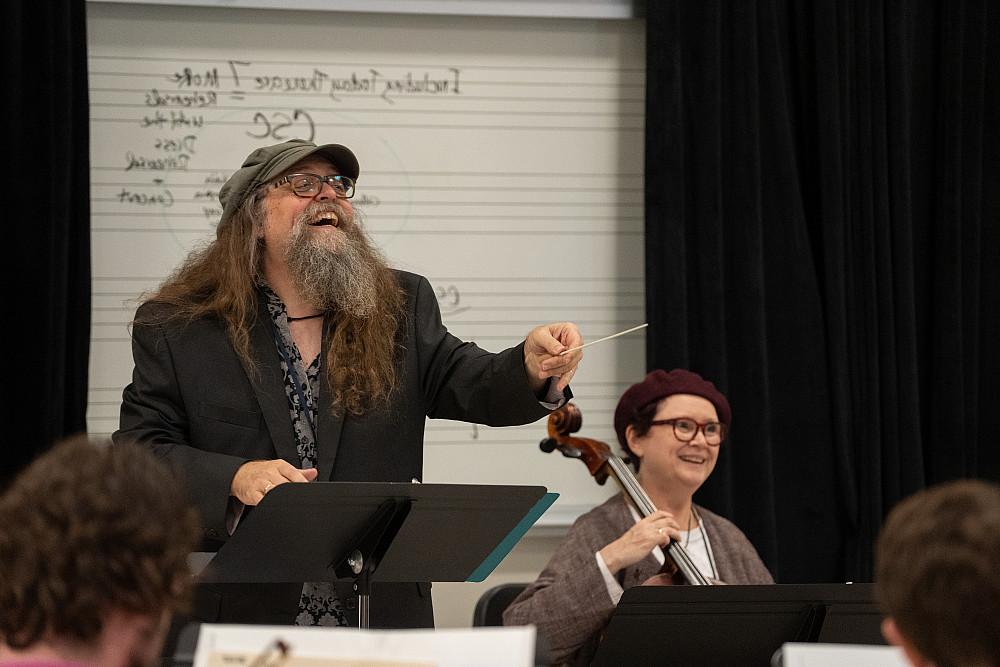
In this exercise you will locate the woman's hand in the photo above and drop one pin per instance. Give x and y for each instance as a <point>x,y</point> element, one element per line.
<point>654,530</point>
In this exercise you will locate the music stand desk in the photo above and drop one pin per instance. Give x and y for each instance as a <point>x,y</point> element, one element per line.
<point>377,531</point>
<point>734,625</point>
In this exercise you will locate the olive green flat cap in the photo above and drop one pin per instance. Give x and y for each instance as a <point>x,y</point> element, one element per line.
<point>269,162</point>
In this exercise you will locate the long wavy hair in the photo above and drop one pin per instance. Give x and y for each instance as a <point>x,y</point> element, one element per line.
<point>221,280</point>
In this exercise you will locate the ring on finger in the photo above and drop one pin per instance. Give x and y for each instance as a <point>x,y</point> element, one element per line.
<point>268,487</point>
<point>660,531</point>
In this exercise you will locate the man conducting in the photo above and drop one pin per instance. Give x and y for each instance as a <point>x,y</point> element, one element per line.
<point>287,351</point>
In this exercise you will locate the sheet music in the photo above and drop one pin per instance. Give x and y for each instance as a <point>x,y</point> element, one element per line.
<point>234,645</point>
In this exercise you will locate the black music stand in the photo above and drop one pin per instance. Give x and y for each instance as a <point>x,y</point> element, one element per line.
<point>369,531</point>
<point>734,625</point>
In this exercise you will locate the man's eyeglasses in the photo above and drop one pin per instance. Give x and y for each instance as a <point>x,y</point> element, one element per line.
<point>686,429</point>
<point>309,185</point>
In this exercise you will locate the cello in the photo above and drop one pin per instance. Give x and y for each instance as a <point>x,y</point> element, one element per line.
<point>603,463</point>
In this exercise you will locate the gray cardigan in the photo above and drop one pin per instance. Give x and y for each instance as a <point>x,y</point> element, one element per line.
<point>569,601</point>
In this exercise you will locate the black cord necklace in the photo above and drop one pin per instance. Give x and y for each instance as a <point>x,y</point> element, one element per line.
<point>304,317</point>
<point>704,540</point>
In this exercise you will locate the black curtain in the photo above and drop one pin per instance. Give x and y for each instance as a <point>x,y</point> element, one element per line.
<point>45,171</point>
<point>823,241</point>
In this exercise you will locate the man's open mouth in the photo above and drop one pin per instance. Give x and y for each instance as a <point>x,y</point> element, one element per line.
<point>323,219</point>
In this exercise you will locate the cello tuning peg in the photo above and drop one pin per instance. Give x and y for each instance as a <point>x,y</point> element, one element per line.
<point>548,445</point>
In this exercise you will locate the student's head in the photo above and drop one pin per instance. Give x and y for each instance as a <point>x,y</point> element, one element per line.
<point>94,542</point>
<point>938,575</point>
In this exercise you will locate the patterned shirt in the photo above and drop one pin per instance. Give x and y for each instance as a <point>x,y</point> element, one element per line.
<point>319,604</point>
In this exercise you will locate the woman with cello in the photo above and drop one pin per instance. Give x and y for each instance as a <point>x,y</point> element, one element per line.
<point>672,426</point>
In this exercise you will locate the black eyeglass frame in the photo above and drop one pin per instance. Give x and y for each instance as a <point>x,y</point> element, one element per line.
<point>337,181</point>
<point>698,427</point>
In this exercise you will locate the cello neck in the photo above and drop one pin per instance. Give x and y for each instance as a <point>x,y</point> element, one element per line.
<point>630,485</point>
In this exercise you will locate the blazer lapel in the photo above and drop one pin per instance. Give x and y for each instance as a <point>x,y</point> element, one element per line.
<point>721,550</point>
<point>269,386</point>
<point>329,424</point>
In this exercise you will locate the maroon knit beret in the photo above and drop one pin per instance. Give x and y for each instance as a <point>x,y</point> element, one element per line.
<point>657,386</point>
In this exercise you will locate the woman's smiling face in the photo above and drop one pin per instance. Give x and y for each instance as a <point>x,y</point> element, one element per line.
<point>667,459</point>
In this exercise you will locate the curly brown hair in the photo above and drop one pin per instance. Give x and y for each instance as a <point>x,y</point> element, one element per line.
<point>937,572</point>
<point>88,528</point>
<point>220,280</point>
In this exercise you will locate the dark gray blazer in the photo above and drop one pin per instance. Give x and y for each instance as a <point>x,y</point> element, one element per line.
<point>195,404</point>
<point>569,601</point>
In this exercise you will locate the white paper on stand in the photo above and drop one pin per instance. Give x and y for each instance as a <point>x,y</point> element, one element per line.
<point>242,645</point>
<point>838,655</point>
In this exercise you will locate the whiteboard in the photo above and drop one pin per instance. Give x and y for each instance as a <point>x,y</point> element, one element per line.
<point>500,157</point>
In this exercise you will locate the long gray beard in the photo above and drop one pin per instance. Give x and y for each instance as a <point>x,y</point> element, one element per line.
<point>344,278</point>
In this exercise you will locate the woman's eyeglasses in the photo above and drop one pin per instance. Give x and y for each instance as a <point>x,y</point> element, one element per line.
<point>686,429</point>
